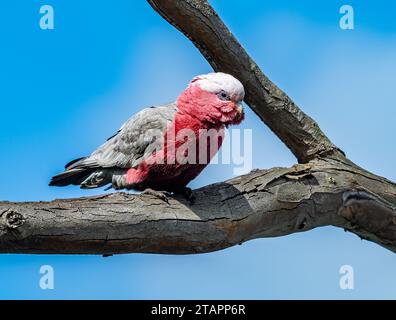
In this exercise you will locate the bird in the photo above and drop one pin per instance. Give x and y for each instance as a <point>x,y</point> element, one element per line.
<point>144,154</point>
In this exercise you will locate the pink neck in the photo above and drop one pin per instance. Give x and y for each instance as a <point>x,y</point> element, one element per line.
<point>200,104</point>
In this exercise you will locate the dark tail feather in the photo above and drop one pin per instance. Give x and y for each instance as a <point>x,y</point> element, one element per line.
<point>72,176</point>
<point>74,163</point>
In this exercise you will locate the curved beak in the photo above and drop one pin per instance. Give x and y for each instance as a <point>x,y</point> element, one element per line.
<point>240,109</point>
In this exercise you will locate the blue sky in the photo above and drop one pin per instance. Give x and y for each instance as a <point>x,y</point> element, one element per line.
<point>64,91</point>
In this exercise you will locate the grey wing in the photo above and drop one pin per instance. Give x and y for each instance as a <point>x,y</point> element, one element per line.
<point>136,140</point>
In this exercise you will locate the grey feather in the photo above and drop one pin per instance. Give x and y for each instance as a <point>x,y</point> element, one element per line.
<point>136,140</point>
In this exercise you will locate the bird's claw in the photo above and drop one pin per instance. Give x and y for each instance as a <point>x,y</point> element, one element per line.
<point>187,193</point>
<point>163,195</point>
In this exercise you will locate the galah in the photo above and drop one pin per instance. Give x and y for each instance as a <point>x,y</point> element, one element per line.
<point>143,154</point>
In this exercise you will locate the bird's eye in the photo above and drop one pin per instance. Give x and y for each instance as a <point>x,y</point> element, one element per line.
<point>223,95</point>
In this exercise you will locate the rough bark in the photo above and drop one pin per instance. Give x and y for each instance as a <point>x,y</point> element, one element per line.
<point>264,203</point>
<point>325,189</point>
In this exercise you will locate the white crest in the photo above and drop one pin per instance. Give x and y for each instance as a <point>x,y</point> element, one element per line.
<point>217,81</point>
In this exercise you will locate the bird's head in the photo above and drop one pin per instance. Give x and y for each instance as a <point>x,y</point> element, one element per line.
<point>214,97</point>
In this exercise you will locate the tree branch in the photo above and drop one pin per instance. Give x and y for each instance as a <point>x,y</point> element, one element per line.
<point>264,203</point>
<point>327,189</point>
<point>201,24</point>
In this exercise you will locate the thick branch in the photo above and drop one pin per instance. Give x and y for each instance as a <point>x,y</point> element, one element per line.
<point>264,203</point>
<point>200,23</point>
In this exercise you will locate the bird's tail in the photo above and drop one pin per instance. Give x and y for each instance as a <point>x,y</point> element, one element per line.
<point>84,172</point>
<point>72,176</point>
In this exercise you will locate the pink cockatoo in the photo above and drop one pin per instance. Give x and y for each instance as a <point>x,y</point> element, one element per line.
<point>142,155</point>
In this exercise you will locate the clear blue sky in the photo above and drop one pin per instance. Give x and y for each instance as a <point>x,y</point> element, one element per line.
<point>62,92</point>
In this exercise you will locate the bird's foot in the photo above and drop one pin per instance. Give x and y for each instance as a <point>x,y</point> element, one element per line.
<point>163,195</point>
<point>188,194</point>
